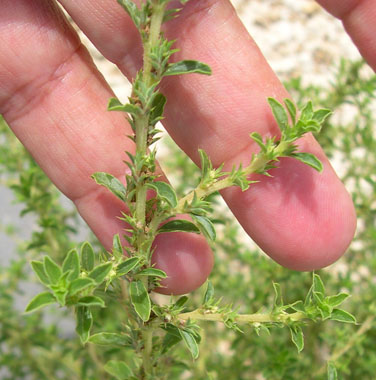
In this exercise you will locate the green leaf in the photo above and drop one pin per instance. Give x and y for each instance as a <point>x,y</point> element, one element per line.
<point>127,265</point>
<point>318,285</point>
<point>190,342</point>
<point>179,225</point>
<point>181,301</point>
<point>165,192</point>
<point>332,372</point>
<point>40,300</point>
<point>279,113</point>
<point>187,67</point>
<point>118,369</point>
<point>307,112</point>
<point>309,159</point>
<point>115,105</point>
<point>152,272</point>
<point>205,226</point>
<point>209,294</point>
<point>72,263</point>
<point>171,338</point>
<point>91,301</point>
<point>278,300</point>
<point>80,284</point>
<point>110,339</point>
<point>111,183</point>
<point>131,8</point>
<point>140,299</point>
<point>87,257</point>
<point>291,108</point>
<point>205,164</point>
<point>297,337</point>
<point>336,300</point>
<point>157,108</point>
<point>320,115</point>
<point>52,270</point>
<point>38,268</point>
<point>99,273</point>
<point>342,316</point>
<point>84,323</point>
<point>117,247</point>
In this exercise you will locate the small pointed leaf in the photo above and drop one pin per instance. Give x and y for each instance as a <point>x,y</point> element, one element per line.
<point>80,284</point>
<point>279,113</point>
<point>84,323</point>
<point>179,225</point>
<point>87,257</point>
<point>140,299</point>
<point>127,265</point>
<point>155,272</point>
<point>342,316</point>
<point>110,339</point>
<point>118,369</point>
<point>72,263</point>
<point>91,301</point>
<point>187,67</point>
<point>309,159</point>
<point>205,226</point>
<point>190,342</point>
<point>38,268</point>
<point>99,273</point>
<point>111,183</point>
<point>52,270</point>
<point>165,192</point>
<point>297,337</point>
<point>209,294</point>
<point>40,300</point>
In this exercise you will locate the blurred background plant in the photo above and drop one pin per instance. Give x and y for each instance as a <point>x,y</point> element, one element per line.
<point>44,345</point>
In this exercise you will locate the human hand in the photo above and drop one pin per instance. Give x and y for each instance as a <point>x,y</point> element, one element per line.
<point>55,101</point>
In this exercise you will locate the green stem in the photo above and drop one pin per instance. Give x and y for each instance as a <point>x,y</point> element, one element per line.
<point>142,123</point>
<point>203,192</point>
<point>147,335</point>
<point>245,318</point>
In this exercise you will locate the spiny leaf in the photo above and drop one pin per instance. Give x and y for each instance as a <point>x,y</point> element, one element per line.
<point>72,263</point>
<point>179,225</point>
<point>87,257</point>
<point>297,337</point>
<point>99,273</point>
<point>115,105</point>
<point>127,265</point>
<point>79,284</point>
<point>209,294</point>
<point>187,67</point>
<point>190,342</point>
<point>38,268</point>
<point>40,300</point>
<point>91,301</point>
<point>152,272</point>
<point>205,226</point>
<point>279,113</point>
<point>291,108</point>
<point>111,183</point>
<point>342,316</point>
<point>52,270</point>
<point>84,323</point>
<point>165,192</point>
<point>332,372</point>
<point>110,339</point>
<point>118,369</point>
<point>140,299</point>
<point>309,159</point>
<point>337,299</point>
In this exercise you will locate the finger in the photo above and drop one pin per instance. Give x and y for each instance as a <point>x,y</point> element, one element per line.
<point>359,20</point>
<point>55,101</point>
<point>302,219</point>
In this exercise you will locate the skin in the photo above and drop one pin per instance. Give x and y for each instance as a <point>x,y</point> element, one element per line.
<point>55,101</point>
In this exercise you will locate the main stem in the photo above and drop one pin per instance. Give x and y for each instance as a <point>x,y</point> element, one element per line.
<point>247,318</point>
<point>142,123</point>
